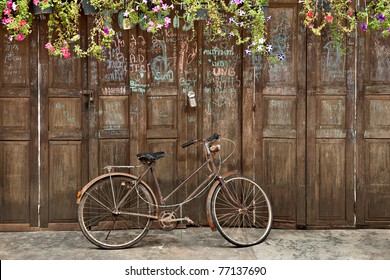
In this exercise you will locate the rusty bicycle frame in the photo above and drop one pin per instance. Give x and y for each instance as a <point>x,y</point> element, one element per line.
<point>213,179</point>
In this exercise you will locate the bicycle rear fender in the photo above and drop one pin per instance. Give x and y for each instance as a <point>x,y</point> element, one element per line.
<point>87,186</point>
<point>210,194</point>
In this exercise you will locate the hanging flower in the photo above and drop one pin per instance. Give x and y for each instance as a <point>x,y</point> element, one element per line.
<point>375,16</point>
<point>334,15</point>
<point>150,15</point>
<point>17,19</point>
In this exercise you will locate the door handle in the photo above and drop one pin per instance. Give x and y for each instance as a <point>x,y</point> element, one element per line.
<point>89,94</point>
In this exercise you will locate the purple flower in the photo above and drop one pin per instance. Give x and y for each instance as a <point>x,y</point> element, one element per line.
<point>241,13</point>
<point>281,56</point>
<point>106,30</point>
<point>248,51</point>
<point>363,27</point>
<point>381,17</point>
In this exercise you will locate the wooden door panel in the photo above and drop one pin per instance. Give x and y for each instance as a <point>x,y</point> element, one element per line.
<point>377,116</point>
<point>279,172</point>
<point>65,167</point>
<point>113,152</point>
<point>330,186</point>
<point>15,65</point>
<point>377,183</point>
<point>330,151</point>
<point>64,132</point>
<point>279,117</point>
<point>65,118</point>
<point>373,191</point>
<point>18,135</point>
<point>15,182</point>
<point>276,100</point>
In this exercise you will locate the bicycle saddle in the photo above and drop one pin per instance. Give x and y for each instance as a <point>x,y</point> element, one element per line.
<point>150,157</point>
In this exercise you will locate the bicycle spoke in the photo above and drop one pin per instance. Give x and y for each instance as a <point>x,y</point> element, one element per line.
<point>241,212</point>
<point>122,226</point>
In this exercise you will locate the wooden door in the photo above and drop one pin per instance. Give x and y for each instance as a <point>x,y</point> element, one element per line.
<point>274,118</point>
<point>330,133</point>
<point>140,103</point>
<point>64,103</point>
<point>18,134</point>
<point>373,193</point>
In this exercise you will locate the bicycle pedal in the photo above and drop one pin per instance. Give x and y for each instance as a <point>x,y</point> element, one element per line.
<point>188,220</point>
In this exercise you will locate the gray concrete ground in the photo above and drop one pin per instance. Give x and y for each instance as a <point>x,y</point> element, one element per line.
<point>202,244</point>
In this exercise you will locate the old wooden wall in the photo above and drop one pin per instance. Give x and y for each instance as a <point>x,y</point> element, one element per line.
<point>312,129</point>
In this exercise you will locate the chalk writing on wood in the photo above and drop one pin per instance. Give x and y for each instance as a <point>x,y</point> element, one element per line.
<point>222,80</point>
<point>381,58</point>
<point>14,64</point>
<point>282,43</point>
<point>139,67</point>
<point>162,64</point>
<point>116,64</point>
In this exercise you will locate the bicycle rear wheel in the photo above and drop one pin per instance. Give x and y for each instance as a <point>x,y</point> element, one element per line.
<point>241,211</point>
<point>112,226</point>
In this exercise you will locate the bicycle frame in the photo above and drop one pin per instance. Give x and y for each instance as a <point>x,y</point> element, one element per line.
<point>201,187</point>
<point>211,182</point>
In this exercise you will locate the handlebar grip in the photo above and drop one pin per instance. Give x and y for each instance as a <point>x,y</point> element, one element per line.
<point>189,143</point>
<point>215,136</point>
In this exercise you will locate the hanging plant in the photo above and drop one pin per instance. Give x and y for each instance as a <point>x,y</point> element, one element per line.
<point>247,24</point>
<point>151,15</point>
<point>102,33</point>
<point>210,11</point>
<point>16,18</point>
<point>375,16</point>
<point>63,27</point>
<point>338,15</point>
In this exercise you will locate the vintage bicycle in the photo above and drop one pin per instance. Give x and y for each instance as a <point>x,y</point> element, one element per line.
<point>117,209</point>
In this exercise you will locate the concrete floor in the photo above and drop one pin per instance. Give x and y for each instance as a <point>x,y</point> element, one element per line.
<point>202,244</point>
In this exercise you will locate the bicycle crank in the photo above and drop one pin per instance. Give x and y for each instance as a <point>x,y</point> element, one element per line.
<point>168,220</point>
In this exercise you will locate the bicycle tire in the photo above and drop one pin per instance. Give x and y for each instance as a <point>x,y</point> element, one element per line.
<point>241,211</point>
<point>108,226</point>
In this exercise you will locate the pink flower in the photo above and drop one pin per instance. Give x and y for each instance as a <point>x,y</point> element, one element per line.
<point>65,52</point>
<point>23,22</point>
<point>9,4</point>
<point>167,20</point>
<point>329,18</point>
<point>50,47</point>
<point>36,2</point>
<point>20,37</point>
<point>164,7</point>
<point>7,11</point>
<point>156,9</point>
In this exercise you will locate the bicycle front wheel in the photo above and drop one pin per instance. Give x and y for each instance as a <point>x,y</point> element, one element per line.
<point>241,211</point>
<point>114,213</point>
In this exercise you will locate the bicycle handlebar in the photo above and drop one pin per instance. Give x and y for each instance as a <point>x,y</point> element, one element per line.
<point>189,143</point>
<point>215,136</point>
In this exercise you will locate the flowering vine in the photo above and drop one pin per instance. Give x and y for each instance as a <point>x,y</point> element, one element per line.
<point>151,15</point>
<point>63,26</point>
<point>16,18</point>
<point>338,15</point>
<point>376,16</point>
